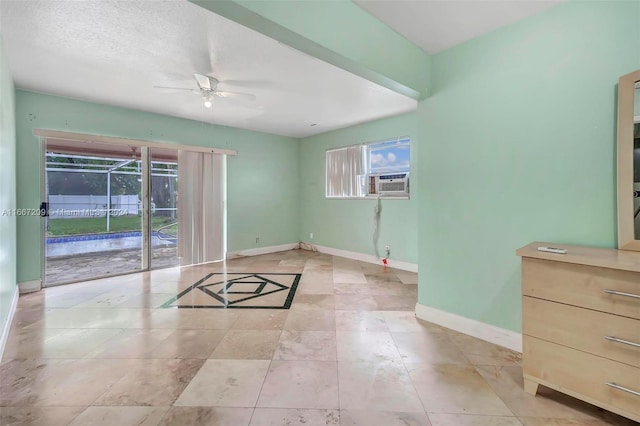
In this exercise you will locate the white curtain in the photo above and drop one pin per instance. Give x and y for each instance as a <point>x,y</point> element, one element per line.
<point>345,172</point>
<point>201,207</point>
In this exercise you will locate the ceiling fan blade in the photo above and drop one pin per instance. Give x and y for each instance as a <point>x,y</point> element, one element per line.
<point>203,81</point>
<point>247,96</point>
<point>176,88</point>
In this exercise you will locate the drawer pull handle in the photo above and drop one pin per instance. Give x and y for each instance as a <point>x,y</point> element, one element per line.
<point>622,388</point>
<point>626,342</point>
<point>621,293</point>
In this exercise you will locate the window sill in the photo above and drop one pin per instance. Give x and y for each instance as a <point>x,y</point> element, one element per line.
<point>372,197</point>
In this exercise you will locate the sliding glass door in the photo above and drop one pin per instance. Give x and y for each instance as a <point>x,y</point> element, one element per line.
<point>164,208</point>
<point>116,209</point>
<point>94,227</point>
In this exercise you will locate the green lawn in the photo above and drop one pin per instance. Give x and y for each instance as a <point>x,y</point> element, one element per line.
<point>98,225</point>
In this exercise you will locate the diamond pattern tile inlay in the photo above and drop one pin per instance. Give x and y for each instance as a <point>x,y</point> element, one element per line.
<point>239,290</point>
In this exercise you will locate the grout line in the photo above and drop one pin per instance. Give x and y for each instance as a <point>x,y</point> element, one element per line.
<point>265,376</point>
<point>495,392</point>
<point>166,413</point>
<point>78,415</point>
<point>404,365</point>
<point>253,410</point>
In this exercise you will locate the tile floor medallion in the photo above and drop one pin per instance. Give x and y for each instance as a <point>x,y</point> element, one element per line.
<point>242,291</point>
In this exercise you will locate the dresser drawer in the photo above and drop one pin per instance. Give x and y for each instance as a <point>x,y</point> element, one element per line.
<point>583,329</point>
<point>583,375</point>
<point>581,285</point>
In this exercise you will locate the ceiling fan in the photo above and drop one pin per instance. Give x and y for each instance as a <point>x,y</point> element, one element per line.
<point>208,89</point>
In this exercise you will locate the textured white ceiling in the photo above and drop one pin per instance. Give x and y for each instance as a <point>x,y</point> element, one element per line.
<point>438,25</point>
<point>114,52</point>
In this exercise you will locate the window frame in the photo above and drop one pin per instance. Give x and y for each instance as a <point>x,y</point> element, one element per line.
<point>404,140</point>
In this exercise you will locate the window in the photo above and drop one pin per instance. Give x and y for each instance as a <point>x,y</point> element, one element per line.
<point>355,171</point>
<point>389,156</point>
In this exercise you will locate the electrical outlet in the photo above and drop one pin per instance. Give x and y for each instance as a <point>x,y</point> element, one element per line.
<point>387,250</point>
<point>257,240</point>
<point>311,235</point>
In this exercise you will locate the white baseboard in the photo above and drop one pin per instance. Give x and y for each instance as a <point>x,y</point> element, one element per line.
<point>7,325</point>
<point>30,286</point>
<point>262,250</point>
<point>398,264</point>
<point>392,263</point>
<point>490,333</point>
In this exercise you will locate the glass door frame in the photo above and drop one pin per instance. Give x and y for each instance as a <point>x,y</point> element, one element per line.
<point>145,147</point>
<point>145,160</point>
<point>164,186</point>
<point>146,208</point>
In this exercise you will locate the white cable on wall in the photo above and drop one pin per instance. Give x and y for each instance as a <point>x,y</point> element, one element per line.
<point>377,210</point>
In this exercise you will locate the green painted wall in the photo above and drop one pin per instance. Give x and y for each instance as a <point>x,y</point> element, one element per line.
<point>257,206</point>
<point>7,189</point>
<point>338,32</point>
<point>348,224</point>
<point>517,145</point>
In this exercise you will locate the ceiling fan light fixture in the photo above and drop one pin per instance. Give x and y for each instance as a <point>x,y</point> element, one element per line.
<point>207,100</point>
<point>208,90</point>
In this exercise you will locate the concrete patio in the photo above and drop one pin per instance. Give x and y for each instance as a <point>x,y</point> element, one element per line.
<point>80,267</point>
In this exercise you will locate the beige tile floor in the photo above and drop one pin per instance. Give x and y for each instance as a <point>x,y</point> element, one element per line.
<point>348,352</point>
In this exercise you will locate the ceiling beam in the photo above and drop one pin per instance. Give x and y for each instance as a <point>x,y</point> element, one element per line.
<point>339,33</point>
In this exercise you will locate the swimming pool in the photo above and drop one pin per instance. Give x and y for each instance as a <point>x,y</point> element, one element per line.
<point>76,244</point>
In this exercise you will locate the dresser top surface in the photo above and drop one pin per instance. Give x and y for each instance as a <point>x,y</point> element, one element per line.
<point>582,255</point>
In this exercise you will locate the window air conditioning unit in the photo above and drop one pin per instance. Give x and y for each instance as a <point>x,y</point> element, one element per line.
<point>389,184</point>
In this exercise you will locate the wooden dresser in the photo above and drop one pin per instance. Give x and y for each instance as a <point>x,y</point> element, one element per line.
<point>581,324</point>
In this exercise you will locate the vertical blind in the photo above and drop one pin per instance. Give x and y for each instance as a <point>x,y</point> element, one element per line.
<point>345,170</point>
<point>201,188</point>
